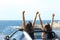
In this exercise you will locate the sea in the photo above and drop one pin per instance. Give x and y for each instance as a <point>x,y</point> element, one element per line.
<point>8,26</point>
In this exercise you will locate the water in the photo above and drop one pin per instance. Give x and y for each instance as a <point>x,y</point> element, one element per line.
<point>7,23</point>
<point>6,26</point>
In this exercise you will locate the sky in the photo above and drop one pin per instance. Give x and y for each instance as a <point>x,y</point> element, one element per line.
<point>12,9</point>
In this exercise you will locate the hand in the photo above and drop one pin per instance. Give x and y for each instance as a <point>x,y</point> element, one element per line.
<point>37,13</point>
<point>53,15</point>
<point>23,12</point>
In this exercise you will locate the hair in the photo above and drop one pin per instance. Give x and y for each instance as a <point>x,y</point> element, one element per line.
<point>30,30</point>
<point>47,27</point>
<point>29,26</point>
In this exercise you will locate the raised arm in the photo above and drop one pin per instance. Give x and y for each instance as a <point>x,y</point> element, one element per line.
<point>52,20</point>
<point>40,21</point>
<point>34,20</point>
<point>23,17</point>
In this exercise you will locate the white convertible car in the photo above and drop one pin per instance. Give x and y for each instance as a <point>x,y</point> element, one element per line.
<point>22,35</point>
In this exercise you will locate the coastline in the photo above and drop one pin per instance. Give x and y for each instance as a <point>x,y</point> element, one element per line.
<point>56,26</point>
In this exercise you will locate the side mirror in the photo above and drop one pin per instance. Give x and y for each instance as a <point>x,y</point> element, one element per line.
<point>6,38</point>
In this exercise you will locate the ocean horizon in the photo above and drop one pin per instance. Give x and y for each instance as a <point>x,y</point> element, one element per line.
<point>7,25</point>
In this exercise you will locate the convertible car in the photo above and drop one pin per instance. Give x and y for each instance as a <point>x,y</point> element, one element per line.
<point>22,35</point>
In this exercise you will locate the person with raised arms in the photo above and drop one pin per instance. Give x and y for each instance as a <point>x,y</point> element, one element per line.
<point>47,27</point>
<point>29,27</point>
